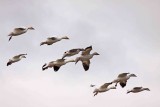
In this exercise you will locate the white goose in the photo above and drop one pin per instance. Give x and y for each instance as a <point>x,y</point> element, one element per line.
<point>138,89</point>
<point>85,57</point>
<point>19,31</point>
<point>51,40</point>
<point>16,59</point>
<point>103,88</point>
<point>122,79</point>
<point>56,64</point>
<point>72,52</point>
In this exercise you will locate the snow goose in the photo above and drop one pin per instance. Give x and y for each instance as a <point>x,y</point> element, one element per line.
<point>138,89</point>
<point>51,40</point>
<point>56,64</point>
<point>85,57</point>
<point>103,88</point>
<point>19,31</point>
<point>16,59</point>
<point>122,79</point>
<point>72,52</point>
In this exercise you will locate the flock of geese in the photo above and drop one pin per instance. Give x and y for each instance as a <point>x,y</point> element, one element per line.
<point>122,80</point>
<point>84,58</point>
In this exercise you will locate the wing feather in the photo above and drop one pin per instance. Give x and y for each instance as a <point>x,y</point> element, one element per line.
<point>87,50</point>
<point>86,64</point>
<point>105,85</point>
<point>122,75</point>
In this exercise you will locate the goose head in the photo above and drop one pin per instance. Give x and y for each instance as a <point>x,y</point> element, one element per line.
<point>132,75</point>
<point>95,53</point>
<point>31,28</point>
<point>23,56</point>
<point>65,54</point>
<point>65,37</point>
<point>147,89</point>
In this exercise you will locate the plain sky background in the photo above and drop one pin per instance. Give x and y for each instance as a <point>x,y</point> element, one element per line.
<point>126,34</point>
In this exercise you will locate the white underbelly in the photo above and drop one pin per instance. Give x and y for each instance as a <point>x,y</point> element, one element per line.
<point>84,58</point>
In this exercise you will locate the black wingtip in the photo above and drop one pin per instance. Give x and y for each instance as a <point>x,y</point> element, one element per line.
<point>85,66</point>
<point>89,46</point>
<point>43,67</point>
<point>56,68</point>
<point>10,38</point>
<point>123,85</point>
<point>9,63</point>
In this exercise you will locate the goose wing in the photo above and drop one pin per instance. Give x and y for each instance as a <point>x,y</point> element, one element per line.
<point>122,75</point>
<point>19,29</point>
<point>17,56</point>
<point>137,88</point>
<point>73,50</point>
<point>60,60</point>
<point>56,68</point>
<point>105,85</point>
<point>51,38</point>
<point>123,83</point>
<point>86,64</point>
<point>87,50</point>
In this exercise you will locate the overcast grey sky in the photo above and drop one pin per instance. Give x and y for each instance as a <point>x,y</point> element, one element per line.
<point>124,32</point>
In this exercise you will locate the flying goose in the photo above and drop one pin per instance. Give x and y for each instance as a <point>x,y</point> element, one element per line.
<point>85,57</point>
<point>19,31</point>
<point>72,52</point>
<point>51,40</point>
<point>56,64</point>
<point>138,89</point>
<point>103,88</point>
<point>16,59</point>
<point>122,79</point>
